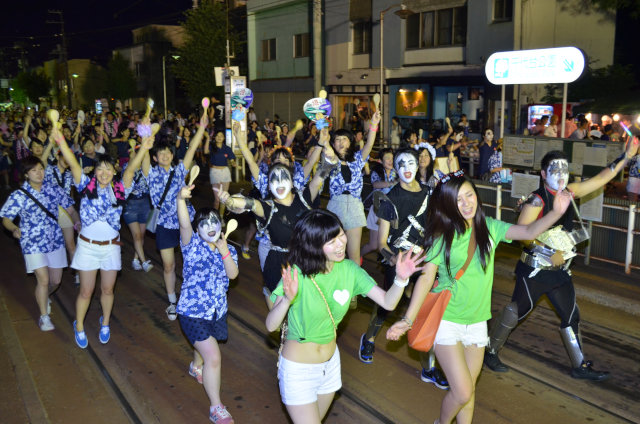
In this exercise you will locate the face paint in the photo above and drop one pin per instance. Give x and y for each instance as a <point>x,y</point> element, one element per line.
<point>209,229</point>
<point>406,167</point>
<point>280,183</point>
<point>488,135</point>
<point>458,137</point>
<point>557,174</point>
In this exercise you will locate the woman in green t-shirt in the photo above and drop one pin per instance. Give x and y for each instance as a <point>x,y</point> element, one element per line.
<point>454,220</point>
<point>314,294</point>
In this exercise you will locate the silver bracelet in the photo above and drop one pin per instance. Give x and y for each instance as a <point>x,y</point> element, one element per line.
<point>400,283</point>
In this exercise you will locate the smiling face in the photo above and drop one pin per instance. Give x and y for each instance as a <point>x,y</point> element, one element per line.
<point>280,183</point>
<point>341,145</point>
<point>335,249</point>
<point>209,228</point>
<point>556,175</point>
<point>219,138</point>
<point>467,202</point>
<point>104,173</point>
<point>164,157</point>
<point>406,167</point>
<point>424,159</point>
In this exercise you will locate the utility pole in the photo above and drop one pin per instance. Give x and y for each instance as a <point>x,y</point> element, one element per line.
<point>63,53</point>
<point>317,47</point>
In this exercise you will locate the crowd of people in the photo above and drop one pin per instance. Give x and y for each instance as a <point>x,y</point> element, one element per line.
<point>427,226</point>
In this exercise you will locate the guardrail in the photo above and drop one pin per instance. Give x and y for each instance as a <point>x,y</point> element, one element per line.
<point>630,229</point>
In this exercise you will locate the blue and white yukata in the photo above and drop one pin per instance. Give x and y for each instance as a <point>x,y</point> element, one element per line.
<point>100,219</point>
<point>203,296</point>
<point>52,175</point>
<point>40,234</point>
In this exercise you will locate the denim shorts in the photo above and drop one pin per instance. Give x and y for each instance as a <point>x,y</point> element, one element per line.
<point>349,209</point>
<point>198,329</point>
<point>300,384</point>
<point>136,210</point>
<point>450,333</point>
<point>167,238</point>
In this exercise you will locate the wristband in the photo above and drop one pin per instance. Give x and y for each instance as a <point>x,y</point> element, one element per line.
<point>227,255</point>
<point>400,283</point>
<point>373,128</point>
<point>407,321</point>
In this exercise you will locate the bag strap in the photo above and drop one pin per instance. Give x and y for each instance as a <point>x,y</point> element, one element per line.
<point>470,251</point>
<point>37,202</point>
<point>166,187</point>
<point>327,305</point>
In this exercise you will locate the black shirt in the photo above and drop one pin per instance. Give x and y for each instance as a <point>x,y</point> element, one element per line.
<point>406,203</point>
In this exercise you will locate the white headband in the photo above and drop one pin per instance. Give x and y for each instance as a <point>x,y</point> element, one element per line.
<point>427,146</point>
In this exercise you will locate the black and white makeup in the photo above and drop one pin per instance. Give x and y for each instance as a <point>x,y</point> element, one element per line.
<point>557,174</point>
<point>209,228</point>
<point>280,182</point>
<point>406,166</point>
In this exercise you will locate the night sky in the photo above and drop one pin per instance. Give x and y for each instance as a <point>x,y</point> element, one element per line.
<point>93,27</point>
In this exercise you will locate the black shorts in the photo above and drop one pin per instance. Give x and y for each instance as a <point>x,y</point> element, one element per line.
<point>167,238</point>
<point>198,329</point>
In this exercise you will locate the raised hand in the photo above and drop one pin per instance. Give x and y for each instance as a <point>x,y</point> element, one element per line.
<point>407,264</point>
<point>290,283</point>
<point>185,192</point>
<point>632,147</point>
<point>562,200</point>
<point>375,119</point>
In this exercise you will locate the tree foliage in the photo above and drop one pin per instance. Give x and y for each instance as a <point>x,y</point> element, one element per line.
<point>121,82</point>
<point>630,6</point>
<point>204,48</point>
<point>31,85</point>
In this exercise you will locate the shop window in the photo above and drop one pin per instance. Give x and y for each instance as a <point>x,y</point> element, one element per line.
<point>268,50</point>
<point>444,27</point>
<point>502,10</point>
<point>362,37</point>
<point>301,45</point>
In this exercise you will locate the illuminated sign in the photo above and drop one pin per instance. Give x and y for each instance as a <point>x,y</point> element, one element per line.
<point>540,66</point>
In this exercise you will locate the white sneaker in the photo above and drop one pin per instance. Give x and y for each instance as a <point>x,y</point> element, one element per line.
<point>171,312</point>
<point>48,306</point>
<point>146,265</point>
<point>135,264</point>
<point>45,323</point>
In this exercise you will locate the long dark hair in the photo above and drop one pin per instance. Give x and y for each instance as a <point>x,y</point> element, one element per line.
<point>314,228</point>
<point>429,169</point>
<point>445,220</point>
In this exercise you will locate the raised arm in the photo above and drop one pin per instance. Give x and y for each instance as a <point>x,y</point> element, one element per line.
<point>371,137</point>
<point>532,230</point>
<point>129,173</point>
<point>186,231</point>
<point>69,157</point>
<point>241,137</point>
<point>292,133</point>
<point>195,141</point>
<point>239,203</point>
<point>583,188</point>
<point>317,150</point>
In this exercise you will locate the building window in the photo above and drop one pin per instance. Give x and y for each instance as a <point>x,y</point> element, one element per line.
<point>444,27</point>
<point>301,45</point>
<point>268,50</point>
<point>362,37</point>
<point>502,10</point>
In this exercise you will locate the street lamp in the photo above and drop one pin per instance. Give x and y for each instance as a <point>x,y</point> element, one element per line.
<point>403,13</point>
<point>164,82</point>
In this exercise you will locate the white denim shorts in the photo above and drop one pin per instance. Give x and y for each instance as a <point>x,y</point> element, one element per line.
<point>450,333</point>
<point>300,384</point>
<point>349,209</point>
<point>55,259</point>
<point>89,257</point>
<point>219,175</point>
<point>633,185</point>
<point>372,220</point>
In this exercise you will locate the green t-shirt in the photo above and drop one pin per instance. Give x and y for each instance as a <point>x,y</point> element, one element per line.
<point>471,296</point>
<point>309,319</point>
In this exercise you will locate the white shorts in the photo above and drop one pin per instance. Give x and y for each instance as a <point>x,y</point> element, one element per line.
<point>55,259</point>
<point>633,185</point>
<point>219,175</point>
<point>300,384</point>
<point>64,220</point>
<point>450,333</point>
<point>89,257</point>
<point>372,220</point>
